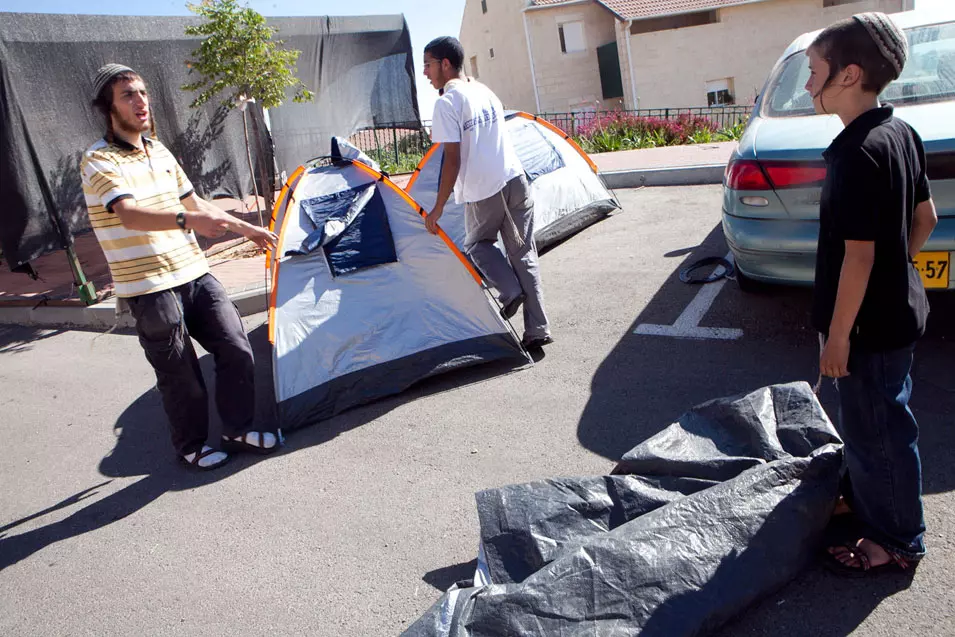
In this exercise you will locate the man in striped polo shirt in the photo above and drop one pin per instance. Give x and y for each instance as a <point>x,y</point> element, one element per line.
<point>145,214</point>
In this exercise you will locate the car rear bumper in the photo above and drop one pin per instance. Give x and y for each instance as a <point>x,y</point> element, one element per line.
<point>784,251</point>
<point>773,250</point>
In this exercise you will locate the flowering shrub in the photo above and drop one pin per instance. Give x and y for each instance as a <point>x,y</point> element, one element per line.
<point>610,131</point>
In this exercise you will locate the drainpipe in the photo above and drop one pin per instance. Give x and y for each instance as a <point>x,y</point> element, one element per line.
<point>530,56</point>
<point>633,79</point>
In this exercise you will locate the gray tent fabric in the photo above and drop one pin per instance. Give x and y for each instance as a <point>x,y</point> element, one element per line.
<point>359,68</point>
<point>718,510</point>
<point>568,193</point>
<point>362,72</point>
<point>372,303</point>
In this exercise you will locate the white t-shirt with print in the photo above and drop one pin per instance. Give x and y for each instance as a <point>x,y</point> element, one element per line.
<point>471,114</point>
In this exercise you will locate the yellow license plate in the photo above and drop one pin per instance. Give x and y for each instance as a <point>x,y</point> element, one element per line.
<point>934,268</point>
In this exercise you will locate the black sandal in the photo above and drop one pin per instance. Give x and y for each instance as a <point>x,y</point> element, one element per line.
<point>205,452</point>
<point>896,564</point>
<point>241,443</point>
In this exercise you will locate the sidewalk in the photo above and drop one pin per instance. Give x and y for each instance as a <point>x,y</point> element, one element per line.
<point>667,166</point>
<point>53,301</point>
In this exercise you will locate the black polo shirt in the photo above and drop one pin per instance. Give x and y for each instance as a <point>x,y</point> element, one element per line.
<point>875,178</point>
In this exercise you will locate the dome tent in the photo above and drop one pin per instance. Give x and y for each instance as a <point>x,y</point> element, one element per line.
<point>364,301</point>
<point>569,194</point>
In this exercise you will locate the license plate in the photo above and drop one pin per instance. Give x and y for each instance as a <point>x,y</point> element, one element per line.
<point>934,268</point>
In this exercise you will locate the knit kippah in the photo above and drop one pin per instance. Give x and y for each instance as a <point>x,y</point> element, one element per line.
<point>887,36</point>
<point>105,74</point>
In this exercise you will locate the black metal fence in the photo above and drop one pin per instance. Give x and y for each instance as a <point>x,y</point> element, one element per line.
<point>398,149</point>
<point>721,116</point>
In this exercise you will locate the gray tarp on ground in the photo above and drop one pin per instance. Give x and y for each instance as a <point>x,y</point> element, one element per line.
<point>718,510</point>
<point>361,70</point>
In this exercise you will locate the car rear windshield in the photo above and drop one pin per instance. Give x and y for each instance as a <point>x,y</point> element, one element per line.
<point>929,75</point>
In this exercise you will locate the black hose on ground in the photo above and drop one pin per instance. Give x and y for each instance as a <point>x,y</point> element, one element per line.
<point>724,269</point>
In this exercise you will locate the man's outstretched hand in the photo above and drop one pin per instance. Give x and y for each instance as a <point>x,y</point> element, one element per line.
<point>261,237</point>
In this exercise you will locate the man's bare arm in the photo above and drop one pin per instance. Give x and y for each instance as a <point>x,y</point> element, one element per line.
<point>923,223</point>
<point>201,212</point>
<point>853,281</point>
<point>450,166</point>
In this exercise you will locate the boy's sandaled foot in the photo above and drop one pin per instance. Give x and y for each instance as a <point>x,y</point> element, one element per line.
<point>205,459</point>
<point>262,442</point>
<point>864,559</point>
<point>842,507</point>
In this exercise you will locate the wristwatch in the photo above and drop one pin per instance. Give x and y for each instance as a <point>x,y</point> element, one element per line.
<point>181,220</point>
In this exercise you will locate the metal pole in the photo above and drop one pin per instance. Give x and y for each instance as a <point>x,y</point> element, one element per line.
<point>394,137</point>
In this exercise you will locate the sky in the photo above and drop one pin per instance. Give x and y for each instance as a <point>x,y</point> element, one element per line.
<point>427,19</point>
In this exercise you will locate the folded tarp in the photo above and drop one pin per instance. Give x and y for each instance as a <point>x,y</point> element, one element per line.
<point>720,509</point>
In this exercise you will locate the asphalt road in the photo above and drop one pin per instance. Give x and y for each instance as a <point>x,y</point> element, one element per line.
<point>360,522</point>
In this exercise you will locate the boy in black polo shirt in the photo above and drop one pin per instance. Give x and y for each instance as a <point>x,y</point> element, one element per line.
<point>876,213</point>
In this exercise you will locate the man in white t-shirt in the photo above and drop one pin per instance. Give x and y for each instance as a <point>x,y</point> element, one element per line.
<point>483,171</point>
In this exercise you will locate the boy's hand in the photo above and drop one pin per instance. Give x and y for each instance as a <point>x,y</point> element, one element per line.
<point>834,361</point>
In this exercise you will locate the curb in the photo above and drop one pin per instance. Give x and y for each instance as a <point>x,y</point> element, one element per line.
<point>682,176</point>
<point>102,316</point>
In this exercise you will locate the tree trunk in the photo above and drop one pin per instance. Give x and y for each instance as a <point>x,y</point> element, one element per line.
<point>248,155</point>
<point>267,175</point>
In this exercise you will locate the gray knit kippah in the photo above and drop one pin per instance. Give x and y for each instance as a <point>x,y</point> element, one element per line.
<point>887,36</point>
<point>105,74</point>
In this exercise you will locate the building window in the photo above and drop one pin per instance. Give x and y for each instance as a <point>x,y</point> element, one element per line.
<point>836,3</point>
<point>492,53</point>
<point>720,92</point>
<point>571,37</point>
<point>474,68</point>
<point>483,6</point>
<point>675,22</point>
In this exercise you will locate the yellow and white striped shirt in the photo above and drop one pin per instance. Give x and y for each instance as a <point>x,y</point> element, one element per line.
<point>140,261</point>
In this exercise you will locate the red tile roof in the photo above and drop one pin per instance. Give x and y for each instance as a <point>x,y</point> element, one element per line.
<point>642,9</point>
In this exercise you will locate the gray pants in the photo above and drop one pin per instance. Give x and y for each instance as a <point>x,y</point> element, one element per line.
<point>510,213</point>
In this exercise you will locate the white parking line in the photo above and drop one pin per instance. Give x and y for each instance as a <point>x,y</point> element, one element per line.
<point>688,323</point>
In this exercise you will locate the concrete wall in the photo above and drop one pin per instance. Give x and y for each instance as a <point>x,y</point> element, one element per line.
<point>672,67</point>
<point>508,73</point>
<point>571,81</point>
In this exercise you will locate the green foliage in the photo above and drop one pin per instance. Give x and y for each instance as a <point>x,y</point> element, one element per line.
<point>406,162</point>
<point>239,59</point>
<point>733,133</point>
<point>610,132</point>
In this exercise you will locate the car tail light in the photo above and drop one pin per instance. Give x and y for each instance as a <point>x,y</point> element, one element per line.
<point>746,174</point>
<point>749,174</point>
<point>794,175</point>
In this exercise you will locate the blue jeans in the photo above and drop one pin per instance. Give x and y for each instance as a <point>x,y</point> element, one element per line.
<point>881,447</point>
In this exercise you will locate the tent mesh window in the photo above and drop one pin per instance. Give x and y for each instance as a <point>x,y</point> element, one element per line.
<point>537,154</point>
<point>351,228</point>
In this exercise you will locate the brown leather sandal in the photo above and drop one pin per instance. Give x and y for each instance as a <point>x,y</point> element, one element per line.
<point>896,563</point>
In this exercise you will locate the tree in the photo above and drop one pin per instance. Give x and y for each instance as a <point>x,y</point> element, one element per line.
<point>239,61</point>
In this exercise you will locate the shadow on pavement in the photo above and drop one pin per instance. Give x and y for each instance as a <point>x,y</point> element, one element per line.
<point>647,382</point>
<point>15,339</point>
<point>443,578</point>
<point>143,449</point>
